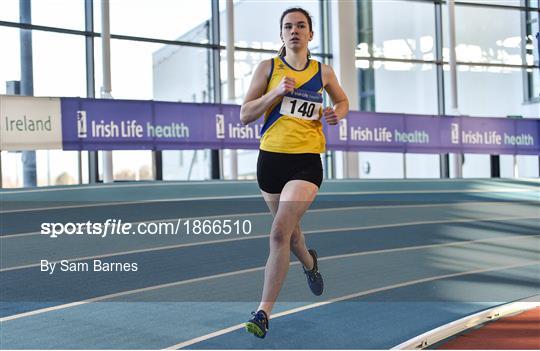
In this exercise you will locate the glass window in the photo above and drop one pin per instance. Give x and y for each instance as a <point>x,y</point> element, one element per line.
<point>378,165</point>
<point>186,165</point>
<point>476,166</point>
<point>393,82</point>
<point>507,166</point>
<point>181,73</point>
<point>400,29</point>
<point>62,71</point>
<point>57,167</point>
<point>423,166</point>
<point>9,10</point>
<point>12,170</point>
<point>58,13</point>
<point>132,165</point>
<point>53,167</point>
<point>480,89</point>
<point>10,69</point>
<point>162,19</point>
<point>131,69</point>
<point>147,71</point>
<point>486,35</point>
<point>528,166</point>
<point>262,31</point>
<point>390,88</point>
<point>59,72</point>
<point>391,165</point>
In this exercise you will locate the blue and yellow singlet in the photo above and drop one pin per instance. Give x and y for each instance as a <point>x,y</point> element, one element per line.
<point>292,125</point>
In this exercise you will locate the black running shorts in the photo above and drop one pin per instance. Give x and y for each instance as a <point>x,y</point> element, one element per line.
<point>275,169</point>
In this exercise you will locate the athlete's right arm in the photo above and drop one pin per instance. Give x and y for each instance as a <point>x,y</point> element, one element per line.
<point>256,101</point>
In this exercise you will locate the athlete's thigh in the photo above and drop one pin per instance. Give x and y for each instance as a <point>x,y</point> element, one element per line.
<point>272,201</point>
<point>295,199</point>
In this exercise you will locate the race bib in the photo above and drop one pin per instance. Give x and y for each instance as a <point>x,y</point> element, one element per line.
<point>303,104</point>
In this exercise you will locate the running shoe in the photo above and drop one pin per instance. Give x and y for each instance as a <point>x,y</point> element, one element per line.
<point>258,325</point>
<point>314,277</point>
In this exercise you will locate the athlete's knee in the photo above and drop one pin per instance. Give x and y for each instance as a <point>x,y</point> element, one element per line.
<point>280,239</point>
<point>281,233</point>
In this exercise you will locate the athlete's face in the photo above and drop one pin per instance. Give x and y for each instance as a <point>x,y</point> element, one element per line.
<point>295,31</point>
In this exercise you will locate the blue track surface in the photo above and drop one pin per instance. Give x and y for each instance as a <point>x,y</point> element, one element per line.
<point>399,258</point>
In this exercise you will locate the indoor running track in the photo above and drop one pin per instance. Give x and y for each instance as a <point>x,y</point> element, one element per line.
<point>399,258</point>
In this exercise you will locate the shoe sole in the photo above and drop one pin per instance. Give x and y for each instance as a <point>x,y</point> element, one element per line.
<point>317,293</point>
<point>255,330</point>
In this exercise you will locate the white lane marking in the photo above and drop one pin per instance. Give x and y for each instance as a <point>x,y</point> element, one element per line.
<point>248,182</point>
<point>346,297</point>
<point>473,203</point>
<point>321,194</point>
<point>221,275</point>
<point>260,236</point>
<point>124,185</point>
<point>118,203</point>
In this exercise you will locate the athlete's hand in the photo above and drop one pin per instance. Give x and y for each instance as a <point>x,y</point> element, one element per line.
<point>330,115</point>
<point>285,86</point>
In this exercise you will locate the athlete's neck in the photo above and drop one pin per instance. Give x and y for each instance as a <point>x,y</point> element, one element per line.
<point>298,60</point>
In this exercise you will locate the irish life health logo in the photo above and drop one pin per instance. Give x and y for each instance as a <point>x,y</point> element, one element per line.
<point>343,130</point>
<point>455,133</point>
<point>82,131</point>
<point>220,126</point>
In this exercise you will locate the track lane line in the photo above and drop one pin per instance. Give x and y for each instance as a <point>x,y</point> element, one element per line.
<point>251,182</point>
<point>236,197</point>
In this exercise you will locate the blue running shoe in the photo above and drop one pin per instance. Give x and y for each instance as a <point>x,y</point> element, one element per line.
<point>258,325</point>
<point>314,278</point>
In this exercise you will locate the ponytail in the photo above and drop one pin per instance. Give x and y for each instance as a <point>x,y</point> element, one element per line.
<point>283,51</point>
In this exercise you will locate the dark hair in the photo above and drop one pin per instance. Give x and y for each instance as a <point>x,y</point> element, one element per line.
<point>282,51</point>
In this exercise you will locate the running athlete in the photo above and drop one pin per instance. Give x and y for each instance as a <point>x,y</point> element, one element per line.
<point>288,90</point>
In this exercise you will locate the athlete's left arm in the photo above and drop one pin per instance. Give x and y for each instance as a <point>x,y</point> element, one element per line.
<point>336,93</point>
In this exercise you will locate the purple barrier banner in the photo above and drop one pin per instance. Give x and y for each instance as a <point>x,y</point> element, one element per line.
<point>100,124</point>
<point>383,132</point>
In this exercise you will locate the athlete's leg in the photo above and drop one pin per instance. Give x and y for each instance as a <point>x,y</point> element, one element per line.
<point>298,241</point>
<point>299,249</point>
<point>295,199</point>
